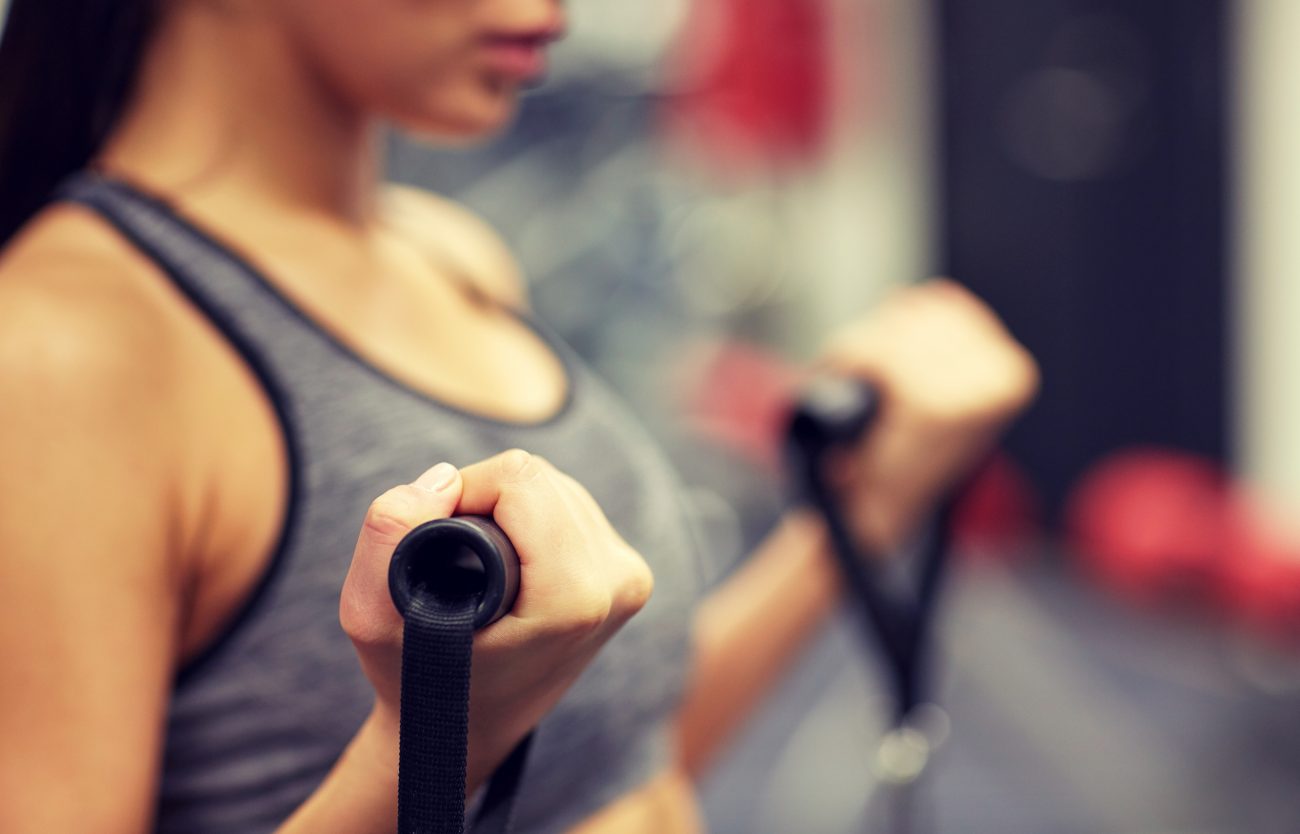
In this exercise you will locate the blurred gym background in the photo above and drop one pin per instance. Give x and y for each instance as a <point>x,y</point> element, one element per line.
<point>703,189</point>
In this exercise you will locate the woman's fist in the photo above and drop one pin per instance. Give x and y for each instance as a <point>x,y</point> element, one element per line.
<point>951,379</point>
<point>578,583</point>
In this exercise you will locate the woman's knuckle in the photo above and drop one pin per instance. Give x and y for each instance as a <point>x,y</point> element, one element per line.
<point>638,586</point>
<point>1030,375</point>
<point>937,411</point>
<point>387,516</point>
<point>588,611</point>
<point>519,464</point>
<point>359,623</point>
<point>350,618</point>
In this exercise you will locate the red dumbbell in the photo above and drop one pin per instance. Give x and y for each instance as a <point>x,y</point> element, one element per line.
<point>1259,576</point>
<point>1150,524</point>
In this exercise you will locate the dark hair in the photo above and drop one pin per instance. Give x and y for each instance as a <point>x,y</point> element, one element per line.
<point>66,69</point>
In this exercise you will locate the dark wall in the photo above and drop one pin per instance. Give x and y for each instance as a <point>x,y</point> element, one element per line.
<point>1082,194</point>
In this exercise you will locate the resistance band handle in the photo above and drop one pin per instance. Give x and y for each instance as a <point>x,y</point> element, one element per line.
<point>835,412</point>
<point>455,558</point>
<point>832,411</point>
<point>448,578</point>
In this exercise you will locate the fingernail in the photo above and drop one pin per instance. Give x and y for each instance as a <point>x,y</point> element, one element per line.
<point>438,478</point>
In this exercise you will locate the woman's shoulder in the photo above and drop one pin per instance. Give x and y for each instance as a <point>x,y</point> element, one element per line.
<point>79,307</point>
<point>458,239</point>
<point>98,387</point>
<point>93,351</point>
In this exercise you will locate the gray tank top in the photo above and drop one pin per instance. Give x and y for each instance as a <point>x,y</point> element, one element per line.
<point>257,720</point>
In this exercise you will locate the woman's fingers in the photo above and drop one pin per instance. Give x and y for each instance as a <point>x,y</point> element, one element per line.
<point>515,478</point>
<point>577,572</point>
<point>579,582</point>
<point>365,607</point>
<point>951,376</point>
<point>941,354</point>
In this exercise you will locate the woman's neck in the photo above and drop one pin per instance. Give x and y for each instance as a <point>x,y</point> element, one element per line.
<point>226,108</point>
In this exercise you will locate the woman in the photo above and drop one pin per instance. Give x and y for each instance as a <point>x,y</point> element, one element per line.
<point>219,346</point>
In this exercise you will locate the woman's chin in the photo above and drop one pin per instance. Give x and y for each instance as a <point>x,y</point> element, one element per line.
<point>465,125</point>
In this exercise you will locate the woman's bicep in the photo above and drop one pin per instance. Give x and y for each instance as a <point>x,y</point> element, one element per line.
<point>88,601</point>
<point>86,657</point>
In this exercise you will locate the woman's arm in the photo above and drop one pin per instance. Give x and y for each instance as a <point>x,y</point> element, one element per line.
<point>99,504</point>
<point>358,795</point>
<point>951,379</point>
<point>749,630</point>
<point>89,591</point>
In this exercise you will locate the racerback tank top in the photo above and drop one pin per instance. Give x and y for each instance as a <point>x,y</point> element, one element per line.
<point>257,720</point>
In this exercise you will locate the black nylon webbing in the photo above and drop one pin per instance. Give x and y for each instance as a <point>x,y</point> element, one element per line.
<point>835,412</point>
<point>432,745</point>
<point>436,650</point>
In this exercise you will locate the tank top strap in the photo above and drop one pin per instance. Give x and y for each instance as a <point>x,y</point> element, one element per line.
<point>222,283</point>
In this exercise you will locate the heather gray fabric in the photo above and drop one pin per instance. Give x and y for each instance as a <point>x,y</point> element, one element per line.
<point>257,722</point>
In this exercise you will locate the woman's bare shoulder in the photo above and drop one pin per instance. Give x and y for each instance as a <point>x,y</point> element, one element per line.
<point>85,329</point>
<point>71,292</point>
<point>453,235</point>
<point>88,585</point>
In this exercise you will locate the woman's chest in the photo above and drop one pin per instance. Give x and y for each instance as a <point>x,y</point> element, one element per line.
<point>287,656</point>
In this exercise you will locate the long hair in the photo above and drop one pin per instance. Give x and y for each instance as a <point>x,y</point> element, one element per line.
<point>66,69</point>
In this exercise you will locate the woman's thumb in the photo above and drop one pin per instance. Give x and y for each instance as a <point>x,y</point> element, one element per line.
<point>365,607</point>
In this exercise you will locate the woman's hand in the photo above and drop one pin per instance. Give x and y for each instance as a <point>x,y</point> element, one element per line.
<point>951,379</point>
<point>579,582</point>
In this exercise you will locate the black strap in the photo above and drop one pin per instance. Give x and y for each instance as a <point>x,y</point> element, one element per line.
<point>436,653</point>
<point>434,735</point>
<point>898,618</point>
<point>835,412</point>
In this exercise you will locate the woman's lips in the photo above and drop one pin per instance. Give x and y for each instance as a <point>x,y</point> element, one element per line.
<point>520,56</point>
<point>521,52</point>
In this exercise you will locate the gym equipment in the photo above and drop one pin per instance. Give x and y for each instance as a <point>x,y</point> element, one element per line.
<point>832,413</point>
<point>764,97</point>
<point>1149,524</point>
<point>897,610</point>
<point>1170,528</point>
<point>463,556</point>
<point>448,578</point>
<point>1258,581</point>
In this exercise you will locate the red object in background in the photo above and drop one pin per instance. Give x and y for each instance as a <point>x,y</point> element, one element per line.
<point>1161,525</point>
<point>739,395</point>
<point>998,515</point>
<point>1150,523</point>
<point>760,94</point>
<point>1259,575</point>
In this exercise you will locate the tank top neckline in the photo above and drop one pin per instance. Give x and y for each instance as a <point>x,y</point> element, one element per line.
<point>240,256</point>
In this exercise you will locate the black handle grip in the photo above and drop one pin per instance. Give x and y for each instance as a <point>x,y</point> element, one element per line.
<point>455,559</point>
<point>835,411</point>
<point>832,411</point>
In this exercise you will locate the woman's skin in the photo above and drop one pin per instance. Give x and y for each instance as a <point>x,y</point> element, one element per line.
<point>144,476</point>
